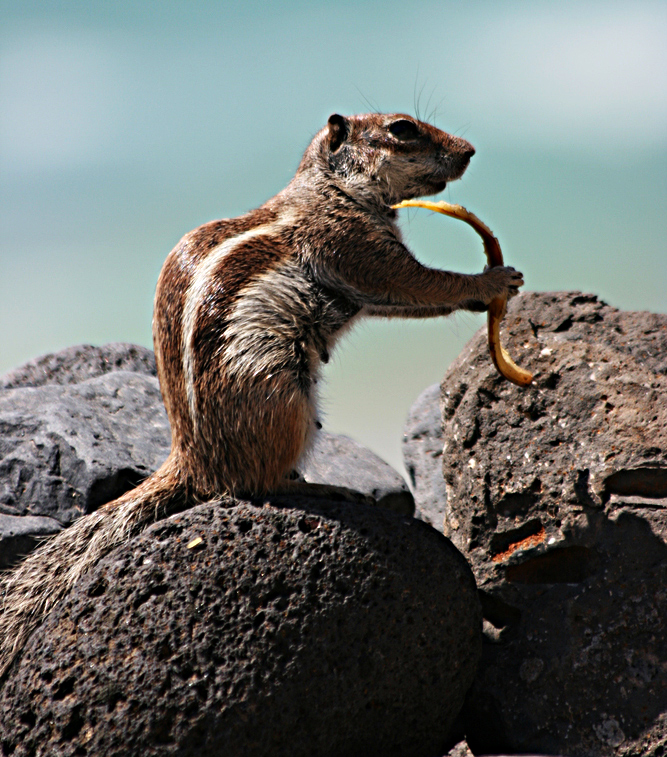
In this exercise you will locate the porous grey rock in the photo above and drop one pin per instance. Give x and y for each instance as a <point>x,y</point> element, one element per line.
<point>460,750</point>
<point>48,474</point>
<point>323,629</point>
<point>340,461</point>
<point>557,494</point>
<point>66,450</point>
<point>79,363</point>
<point>19,535</point>
<point>463,750</point>
<point>422,454</point>
<point>82,426</point>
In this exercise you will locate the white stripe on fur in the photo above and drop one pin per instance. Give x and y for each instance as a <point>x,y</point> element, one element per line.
<point>200,283</point>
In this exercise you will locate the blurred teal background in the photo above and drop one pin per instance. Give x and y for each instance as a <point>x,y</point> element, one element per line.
<point>123,125</point>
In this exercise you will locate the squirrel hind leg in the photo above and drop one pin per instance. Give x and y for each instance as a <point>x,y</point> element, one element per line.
<point>260,440</point>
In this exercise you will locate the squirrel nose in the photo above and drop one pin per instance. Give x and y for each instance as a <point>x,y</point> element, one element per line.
<point>462,148</point>
<point>467,149</point>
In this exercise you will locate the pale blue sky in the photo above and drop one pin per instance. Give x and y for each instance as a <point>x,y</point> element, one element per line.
<point>123,125</point>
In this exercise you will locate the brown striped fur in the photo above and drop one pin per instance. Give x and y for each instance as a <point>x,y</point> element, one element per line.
<point>246,310</point>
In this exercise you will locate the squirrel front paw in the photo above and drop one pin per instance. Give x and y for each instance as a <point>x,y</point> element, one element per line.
<point>500,281</point>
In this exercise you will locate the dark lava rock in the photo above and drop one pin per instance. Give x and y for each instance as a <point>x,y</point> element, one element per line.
<point>66,447</point>
<point>463,750</point>
<point>76,364</point>
<point>20,535</point>
<point>340,461</point>
<point>460,750</point>
<point>327,629</point>
<point>557,494</point>
<point>422,454</point>
<point>66,450</point>
<point>82,426</point>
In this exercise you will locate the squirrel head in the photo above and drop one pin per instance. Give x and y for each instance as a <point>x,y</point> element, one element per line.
<point>387,157</point>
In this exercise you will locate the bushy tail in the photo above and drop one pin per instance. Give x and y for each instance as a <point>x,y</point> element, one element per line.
<point>34,587</point>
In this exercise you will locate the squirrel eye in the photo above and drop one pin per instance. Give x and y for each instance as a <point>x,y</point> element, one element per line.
<point>404,129</point>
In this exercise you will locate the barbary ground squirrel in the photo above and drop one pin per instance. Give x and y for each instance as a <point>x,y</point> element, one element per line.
<point>246,311</point>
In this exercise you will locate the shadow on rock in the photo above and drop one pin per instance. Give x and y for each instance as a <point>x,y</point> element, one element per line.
<point>557,495</point>
<point>575,657</point>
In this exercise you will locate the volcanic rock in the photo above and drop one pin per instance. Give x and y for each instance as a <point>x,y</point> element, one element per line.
<point>82,426</point>
<point>20,535</point>
<point>261,629</point>
<point>557,494</point>
<point>66,450</point>
<point>422,453</point>
<point>79,363</point>
<point>340,461</point>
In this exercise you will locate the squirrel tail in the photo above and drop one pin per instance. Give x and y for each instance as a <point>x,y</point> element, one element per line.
<point>33,588</point>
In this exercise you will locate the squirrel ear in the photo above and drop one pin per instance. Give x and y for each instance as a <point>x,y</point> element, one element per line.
<point>338,130</point>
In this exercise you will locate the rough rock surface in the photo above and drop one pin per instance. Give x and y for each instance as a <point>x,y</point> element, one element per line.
<point>82,426</point>
<point>463,750</point>
<point>460,750</point>
<point>331,629</point>
<point>422,453</point>
<point>20,535</point>
<point>557,494</point>
<point>340,461</point>
<point>76,364</point>
<point>66,450</point>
